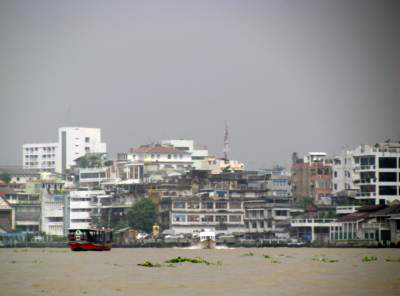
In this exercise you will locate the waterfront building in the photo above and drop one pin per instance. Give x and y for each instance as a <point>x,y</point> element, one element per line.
<point>311,176</point>
<point>7,215</point>
<point>73,142</point>
<point>269,219</point>
<point>27,210</point>
<point>80,207</point>
<point>52,213</point>
<point>373,172</point>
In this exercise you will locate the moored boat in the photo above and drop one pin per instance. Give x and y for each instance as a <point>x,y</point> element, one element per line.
<point>90,239</point>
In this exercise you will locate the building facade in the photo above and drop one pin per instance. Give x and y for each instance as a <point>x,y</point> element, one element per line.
<point>311,176</point>
<point>73,142</point>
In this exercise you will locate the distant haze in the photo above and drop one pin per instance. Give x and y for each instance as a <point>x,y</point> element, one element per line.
<point>286,75</point>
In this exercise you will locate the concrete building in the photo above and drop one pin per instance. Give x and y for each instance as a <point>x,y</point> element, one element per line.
<point>80,205</point>
<point>40,156</point>
<point>373,172</point>
<point>7,215</point>
<point>278,182</point>
<point>73,142</point>
<point>344,174</point>
<point>187,214</point>
<point>311,176</point>
<point>157,157</point>
<point>52,213</point>
<point>198,153</point>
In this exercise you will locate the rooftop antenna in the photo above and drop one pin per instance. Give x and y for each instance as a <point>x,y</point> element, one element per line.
<point>226,141</point>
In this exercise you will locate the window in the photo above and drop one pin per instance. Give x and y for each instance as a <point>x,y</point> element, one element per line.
<point>208,218</point>
<point>235,205</point>
<point>87,139</point>
<point>169,156</point>
<point>221,218</point>
<point>387,190</point>
<point>235,218</point>
<point>179,204</point>
<point>207,205</point>
<point>221,205</point>
<point>335,174</point>
<point>387,177</point>
<point>193,218</point>
<point>335,186</point>
<point>280,213</point>
<point>193,205</point>
<point>398,225</point>
<point>254,225</point>
<point>179,218</point>
<point>261,224</point>
<point>387,162</point>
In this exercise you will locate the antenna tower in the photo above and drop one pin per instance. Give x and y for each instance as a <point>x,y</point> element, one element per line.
<point>226,141</point>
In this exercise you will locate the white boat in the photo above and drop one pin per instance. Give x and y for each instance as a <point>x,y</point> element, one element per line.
<point>206,239</point>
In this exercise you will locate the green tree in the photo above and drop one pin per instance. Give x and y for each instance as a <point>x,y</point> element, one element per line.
<point>142,216</point>
<point>5,177</point>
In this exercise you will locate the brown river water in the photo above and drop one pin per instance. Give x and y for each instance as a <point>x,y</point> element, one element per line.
<point>288,271</point>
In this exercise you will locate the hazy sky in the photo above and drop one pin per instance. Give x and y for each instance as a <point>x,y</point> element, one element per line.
<point>286,75</point>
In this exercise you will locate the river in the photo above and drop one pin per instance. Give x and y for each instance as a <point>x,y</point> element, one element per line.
<point>285,271</point>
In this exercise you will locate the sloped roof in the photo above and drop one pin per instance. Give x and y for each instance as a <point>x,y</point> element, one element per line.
<point>357,216</point>
<point>394,209</point>
<point>17,170</point>
<point>157,149</point>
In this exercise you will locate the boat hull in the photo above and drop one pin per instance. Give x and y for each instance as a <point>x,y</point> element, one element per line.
<point>207,244</point>
<point>89,247</point>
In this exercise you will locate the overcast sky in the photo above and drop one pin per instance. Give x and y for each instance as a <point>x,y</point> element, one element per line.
<point>286,75</point>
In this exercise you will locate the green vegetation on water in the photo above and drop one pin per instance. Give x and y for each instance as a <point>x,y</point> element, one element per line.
<point>149,264</point>
<point>247,254</point>
<point>325,260</point>
<point>392,260</point>
<point>172,261</point>
<point>369,258</point>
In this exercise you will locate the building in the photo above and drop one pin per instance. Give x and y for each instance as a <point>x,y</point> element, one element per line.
<point>268,219</point>
<point>187,214</point>
<point>73,142</point>
<point>80,206</point>
<point>52,213</point>
<point>278,182</point>
<point>7,215</point>
<point>40,156</point>
<point>199,153</point>
<point>160,158</point>
<point>19,175</point>
<point>373,172</point>
<point>311,176</point>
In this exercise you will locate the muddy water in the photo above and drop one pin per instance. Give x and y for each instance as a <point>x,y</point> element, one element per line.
<point>289,272</point>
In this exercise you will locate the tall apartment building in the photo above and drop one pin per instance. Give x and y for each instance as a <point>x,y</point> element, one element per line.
<point>311,176</point>
<point>372,171</point>
<point>73,142</point>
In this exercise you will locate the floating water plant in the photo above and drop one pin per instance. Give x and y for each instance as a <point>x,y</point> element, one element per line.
<point>392,260</point>
<point>325,260</point>
<point>247,254</point>
<point>195,260</point>
<point>149,264</point>
<point>267,256</point>
<point>369,258</point>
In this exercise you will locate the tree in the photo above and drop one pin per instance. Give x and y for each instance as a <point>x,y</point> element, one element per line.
<point>5,177</point>
<point>142,216</point>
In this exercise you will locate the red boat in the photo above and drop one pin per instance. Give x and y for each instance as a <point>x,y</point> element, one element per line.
<point>90,239</point>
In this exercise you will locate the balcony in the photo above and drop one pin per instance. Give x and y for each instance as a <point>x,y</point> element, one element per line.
<point>343,210</point>
<point>313,222</point>
<point>365,167</point>
<point>366,194</point>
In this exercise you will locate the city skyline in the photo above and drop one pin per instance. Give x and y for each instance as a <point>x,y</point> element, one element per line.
<point>286,77</point>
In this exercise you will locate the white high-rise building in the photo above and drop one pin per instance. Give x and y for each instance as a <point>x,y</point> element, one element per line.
<point>372,171</point>
<point>73,142</point>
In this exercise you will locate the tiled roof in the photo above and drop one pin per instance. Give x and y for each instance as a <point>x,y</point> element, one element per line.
<point>157,149</point>
<point>354,217</point>
<point>394,209</point>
